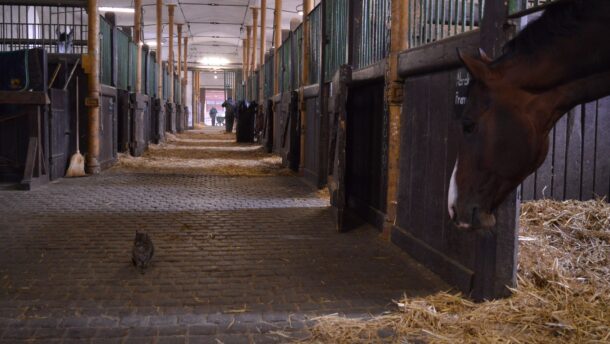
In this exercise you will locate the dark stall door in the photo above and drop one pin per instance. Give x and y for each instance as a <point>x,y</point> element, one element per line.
<point>59,134</point>
<point>365,172</point>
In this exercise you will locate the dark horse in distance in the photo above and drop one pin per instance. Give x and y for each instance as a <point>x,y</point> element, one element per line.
<point>557,62</point>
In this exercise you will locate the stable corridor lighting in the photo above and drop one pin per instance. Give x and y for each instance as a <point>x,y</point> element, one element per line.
<point>214,61</point>
<point>117,9</point>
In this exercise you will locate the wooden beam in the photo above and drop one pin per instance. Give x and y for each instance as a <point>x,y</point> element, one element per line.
<point>244,69</point>
<point>394,87</point>
<point>307,7</point>
<point>277,42</point>
<point>185,64</point>
<point>170,57</point>
<point>69,3</point>
<point>248,61</point>
<point>253,61</point>
<point>159,50</point>
<point>24,98</point>
<point>93,56</point>
<point>263,47</point>
<point>438,55</point>
<point>137,38</point>
<point>180,59</point>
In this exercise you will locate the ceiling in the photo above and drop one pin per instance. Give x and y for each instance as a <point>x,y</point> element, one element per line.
<point>215,27</point>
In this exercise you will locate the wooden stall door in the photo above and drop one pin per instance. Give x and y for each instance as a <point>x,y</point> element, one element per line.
<point>481,264</point>
<point>365,164</point>
<point>139,110</point>
<point>338,126</point>
<point>311,170</point>
<point>59,133</point>
<point>108,127</point>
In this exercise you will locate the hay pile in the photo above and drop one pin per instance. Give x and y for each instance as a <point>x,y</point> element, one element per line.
<point>204,152</point>
<point>563,293</point>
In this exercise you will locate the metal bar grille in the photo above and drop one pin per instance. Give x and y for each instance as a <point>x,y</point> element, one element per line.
<point>336,34</point>
<point>151,74</point>
<point>165,82</point>
<point>269,76</point>
<point>315,25</point>
<point>105,52</point>
<point>374,35</point>
<point>229,79</point>
<point>57,29</point>
<point>432,20</point>
<point>297,43</point>
<point>122,45</point>
<point>239,84</point>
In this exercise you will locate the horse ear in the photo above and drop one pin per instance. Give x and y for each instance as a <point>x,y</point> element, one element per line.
<point>476,66</point>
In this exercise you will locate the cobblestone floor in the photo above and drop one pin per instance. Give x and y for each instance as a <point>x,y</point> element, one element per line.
<point>237,260</point>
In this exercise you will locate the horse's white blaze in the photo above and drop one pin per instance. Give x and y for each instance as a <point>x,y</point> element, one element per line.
<point>453,192</point>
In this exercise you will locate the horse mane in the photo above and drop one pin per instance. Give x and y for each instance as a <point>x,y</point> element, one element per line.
<point>560,19</point>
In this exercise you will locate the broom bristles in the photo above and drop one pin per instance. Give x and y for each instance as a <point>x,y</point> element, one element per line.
<point>77,166</point>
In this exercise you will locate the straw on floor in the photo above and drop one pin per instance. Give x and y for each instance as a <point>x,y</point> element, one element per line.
<point>563,292</point>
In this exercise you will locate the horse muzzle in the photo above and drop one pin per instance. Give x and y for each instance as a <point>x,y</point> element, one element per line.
<point>473,218</point>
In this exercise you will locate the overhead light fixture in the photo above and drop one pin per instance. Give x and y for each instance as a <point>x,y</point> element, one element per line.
<point>214,61</point>
<point>152,43</point>
<point>215,76</point>
<point>117,9</point>
<point>300,13</point>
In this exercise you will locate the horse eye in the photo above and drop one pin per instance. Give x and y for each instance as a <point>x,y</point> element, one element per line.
<point>468,126</point>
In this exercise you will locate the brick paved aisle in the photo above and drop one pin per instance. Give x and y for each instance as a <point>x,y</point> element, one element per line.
<point>238,258</point>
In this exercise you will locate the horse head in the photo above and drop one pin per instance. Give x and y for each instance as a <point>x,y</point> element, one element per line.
<point>64,40</point>
<point>500,145</point>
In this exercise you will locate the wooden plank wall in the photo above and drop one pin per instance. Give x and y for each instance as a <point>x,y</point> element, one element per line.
<point>578,162</point>
<point>428,152</point>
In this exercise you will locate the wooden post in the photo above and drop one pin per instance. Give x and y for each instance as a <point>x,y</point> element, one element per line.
<point>307,7</point>
<point>244,70</point>
<point>277,42</point>
<point>137,38</point>
<point>254,62</point>
<point>159,50</point>
<point>179,26</point>
<point>185,67</point>
<point>93,99</point>
<point>193,99</point>
<point>263,47</point>
<point>248,61</point>
<point>394,97</point>
<point>170,57</point>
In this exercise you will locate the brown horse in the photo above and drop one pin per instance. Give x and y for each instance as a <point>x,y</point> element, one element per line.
<point>557,62</point>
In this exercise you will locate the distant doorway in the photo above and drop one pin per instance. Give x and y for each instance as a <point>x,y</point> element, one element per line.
<point>214,99</point>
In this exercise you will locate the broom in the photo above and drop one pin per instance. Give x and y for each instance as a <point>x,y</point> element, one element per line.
<point>77,161</point>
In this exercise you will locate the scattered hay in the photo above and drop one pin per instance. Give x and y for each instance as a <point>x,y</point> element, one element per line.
<point>205,152</point>
<point>563,293</point>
